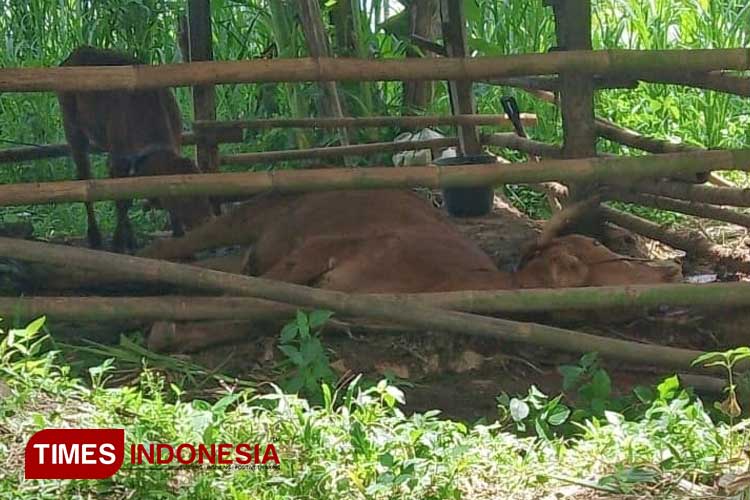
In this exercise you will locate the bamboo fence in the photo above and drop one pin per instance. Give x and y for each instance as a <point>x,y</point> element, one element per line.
<point>633,63</point>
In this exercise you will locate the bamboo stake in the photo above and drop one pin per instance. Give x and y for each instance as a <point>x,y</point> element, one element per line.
<point>623,169</point>
<point>686,207</point>
<point>335,151</point>
<point>428,318</point>
<point>699,193</point>
<point>693,243</point>
<point>635,64</point>
<point>527,119</point>
<point>460,94</point>
<point>201,308</point>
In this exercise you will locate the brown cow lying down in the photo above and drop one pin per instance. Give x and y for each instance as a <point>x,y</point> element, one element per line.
<point>140,130</point>
<point>384,242</point>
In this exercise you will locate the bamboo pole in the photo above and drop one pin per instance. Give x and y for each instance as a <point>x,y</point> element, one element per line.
<point>622,169</point>
<point>318,46</point>
<point>699,193</point>
<point>528,119</point>
<point>42,152</point>
<point>716,80</point>
<point>427,318</point>
<point>514,141</point>
<point>198,308</point>
<point>692,243</point>
<point>552,83</point>
<point>634,63</point>
<point>335,151</point>
<point>460,93</point>
<point>685,207</point>
<point>627,137</point>
<point>200,48</point>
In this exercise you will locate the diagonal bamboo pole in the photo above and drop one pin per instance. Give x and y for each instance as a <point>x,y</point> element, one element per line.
<point>429,318</point>
<point>706,194</point>
<point>686,207</point>
<point>691,243</point>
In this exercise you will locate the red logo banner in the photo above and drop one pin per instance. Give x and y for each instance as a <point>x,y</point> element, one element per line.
<point>74,453</point>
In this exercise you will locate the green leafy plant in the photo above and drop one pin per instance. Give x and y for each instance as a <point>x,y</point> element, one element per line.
<point>306,357</point>
<point>727,360</point>
<point>591,385</point>
<point>536,409</point>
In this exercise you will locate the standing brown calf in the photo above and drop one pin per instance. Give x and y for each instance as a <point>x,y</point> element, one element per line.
<point>140,130</point>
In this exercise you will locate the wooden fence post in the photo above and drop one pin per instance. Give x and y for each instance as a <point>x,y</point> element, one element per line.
<point>200,48</point>
<point>318,45</point>
<point>573,29</point>
<point>462,100</point>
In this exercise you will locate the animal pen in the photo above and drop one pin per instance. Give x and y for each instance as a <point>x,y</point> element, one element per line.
<point>669,178</point>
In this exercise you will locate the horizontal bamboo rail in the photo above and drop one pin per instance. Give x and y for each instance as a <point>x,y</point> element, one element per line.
<point>527,119</point>
<point>393,311</point>
<point>45,151</point>
<point>621,169</point>
<point>195,308</point>
<point>335,151</point>
<point>633,63</point>
<point>717,81</point>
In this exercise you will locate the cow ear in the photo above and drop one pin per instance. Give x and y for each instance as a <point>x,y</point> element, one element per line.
<point>566,270</point>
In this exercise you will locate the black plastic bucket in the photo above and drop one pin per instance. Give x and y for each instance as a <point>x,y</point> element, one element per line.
<point>467,202</point>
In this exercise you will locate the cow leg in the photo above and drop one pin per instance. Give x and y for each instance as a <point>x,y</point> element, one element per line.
<point>79,150</point>
<point>178,229</point>
<point>123,239</point>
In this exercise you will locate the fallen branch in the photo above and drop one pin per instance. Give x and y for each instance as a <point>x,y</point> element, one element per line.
<point>691,243</point>
<point>427,318</point>
<point>621,169</point>
<point>685,207</point>
<point>335,151</point>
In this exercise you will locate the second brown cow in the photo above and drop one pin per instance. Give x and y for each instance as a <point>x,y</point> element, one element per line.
<point>140,130</point>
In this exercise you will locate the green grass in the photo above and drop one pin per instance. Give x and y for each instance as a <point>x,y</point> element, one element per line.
<point>356,443</point>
